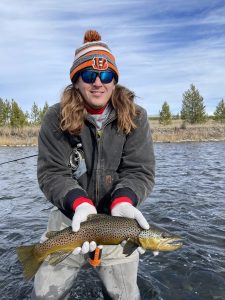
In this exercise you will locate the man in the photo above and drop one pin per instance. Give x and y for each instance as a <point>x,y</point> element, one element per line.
<point>95,156</point>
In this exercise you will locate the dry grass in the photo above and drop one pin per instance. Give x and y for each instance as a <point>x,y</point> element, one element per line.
<point>178,123</point>
<point>26,136</point>
<point>178,132</point>
<point>174,132</point>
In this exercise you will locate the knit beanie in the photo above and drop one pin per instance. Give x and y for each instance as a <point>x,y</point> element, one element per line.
<point>93,54</point>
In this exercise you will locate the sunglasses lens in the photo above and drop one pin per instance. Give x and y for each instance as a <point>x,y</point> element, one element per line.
<point>89,76</point>
<point>106,77</point>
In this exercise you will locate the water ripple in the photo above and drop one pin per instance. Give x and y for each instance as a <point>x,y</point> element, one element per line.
<point>188,199</point>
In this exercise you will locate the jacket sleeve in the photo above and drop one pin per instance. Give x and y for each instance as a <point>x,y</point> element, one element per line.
<point>137,167</point>
<point>53,171</point>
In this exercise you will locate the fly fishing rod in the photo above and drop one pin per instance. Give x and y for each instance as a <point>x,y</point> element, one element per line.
<point>14,160</point>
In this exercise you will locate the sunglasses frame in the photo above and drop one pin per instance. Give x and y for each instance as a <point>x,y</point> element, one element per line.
<point>97,74</point>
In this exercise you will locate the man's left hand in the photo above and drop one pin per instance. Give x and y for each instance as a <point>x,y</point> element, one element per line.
<point>125,209</point>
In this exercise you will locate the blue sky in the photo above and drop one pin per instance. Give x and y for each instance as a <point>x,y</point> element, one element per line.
<point>161,47</point>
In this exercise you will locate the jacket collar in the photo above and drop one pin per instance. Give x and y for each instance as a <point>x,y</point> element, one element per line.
<point>112,116</point>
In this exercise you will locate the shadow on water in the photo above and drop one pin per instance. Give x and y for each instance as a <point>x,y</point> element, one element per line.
<point>188,199</point>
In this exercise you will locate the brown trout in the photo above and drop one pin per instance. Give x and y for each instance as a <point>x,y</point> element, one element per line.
<point>104,230</point>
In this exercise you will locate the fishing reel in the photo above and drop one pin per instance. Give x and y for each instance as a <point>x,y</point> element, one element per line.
<point>77,161</point>
<point>76,156</point>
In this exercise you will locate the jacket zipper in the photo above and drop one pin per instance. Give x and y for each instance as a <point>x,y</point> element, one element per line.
<point>98,139</point>
<point>98,135</point>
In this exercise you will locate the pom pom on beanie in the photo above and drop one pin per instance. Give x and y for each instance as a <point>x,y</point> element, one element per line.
<point>92,36</point>
<point>95,54</point>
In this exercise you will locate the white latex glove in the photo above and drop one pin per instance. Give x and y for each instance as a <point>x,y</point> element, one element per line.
<point>125,209</point>
<point>86,247</point>
<point>81,213</point>
<point>43,238</point>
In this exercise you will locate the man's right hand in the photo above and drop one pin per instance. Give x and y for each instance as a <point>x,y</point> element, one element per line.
<point>86,247</point>
<point>81,214</point>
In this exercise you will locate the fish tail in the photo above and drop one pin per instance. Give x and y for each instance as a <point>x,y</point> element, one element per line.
<point>29,261</point>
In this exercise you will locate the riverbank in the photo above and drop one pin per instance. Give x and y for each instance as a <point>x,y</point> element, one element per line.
<point>175,132</point>
<point>26,136</point>
<point>180,132</point>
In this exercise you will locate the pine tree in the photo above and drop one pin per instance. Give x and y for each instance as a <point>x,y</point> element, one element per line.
<point>193,109</point>
<point>17,116</point>
<point>43,111</point>
<point>2,108</point>
<point>219,114</point>
<point>35,114</point>
<point>5,110</point>
<point>165,116</point>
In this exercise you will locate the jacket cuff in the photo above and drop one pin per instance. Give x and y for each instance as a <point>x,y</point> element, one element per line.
<point>79,201</point>
<point>120,200</point>
<point>71,196</point>
<point>125,192</point>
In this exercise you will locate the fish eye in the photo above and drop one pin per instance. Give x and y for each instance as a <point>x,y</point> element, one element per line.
<point>165,235</point>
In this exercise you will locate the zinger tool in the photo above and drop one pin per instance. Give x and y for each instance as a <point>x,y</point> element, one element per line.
<point>95,257</point>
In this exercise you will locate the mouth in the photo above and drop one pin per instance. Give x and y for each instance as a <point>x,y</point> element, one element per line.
<point>171,244</point>
<point>96,92</point>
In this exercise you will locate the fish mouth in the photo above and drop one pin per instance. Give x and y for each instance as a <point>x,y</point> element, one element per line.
<point>171,244</point>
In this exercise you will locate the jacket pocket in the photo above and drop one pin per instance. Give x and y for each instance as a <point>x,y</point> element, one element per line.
<point>107,183</point>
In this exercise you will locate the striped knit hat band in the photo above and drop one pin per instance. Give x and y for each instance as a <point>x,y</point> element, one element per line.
<point>93,54</point>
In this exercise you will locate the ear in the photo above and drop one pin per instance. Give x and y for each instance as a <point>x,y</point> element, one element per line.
<point>76,83</point>
<point>114,86</point>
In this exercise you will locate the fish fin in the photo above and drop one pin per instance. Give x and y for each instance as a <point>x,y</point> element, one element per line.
<point>57,257</point>
<point>92,217</point>
<point>28,260</point>
<point>98,217</point>
<point>51,234</point>
<point>129,247</point>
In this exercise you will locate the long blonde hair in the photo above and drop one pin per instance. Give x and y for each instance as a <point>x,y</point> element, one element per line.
<point>73,111</point>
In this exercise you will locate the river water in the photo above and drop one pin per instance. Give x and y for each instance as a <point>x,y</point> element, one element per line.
<point>188,199</point>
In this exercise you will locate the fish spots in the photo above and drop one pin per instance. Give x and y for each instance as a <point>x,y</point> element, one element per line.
<point>107,230</point>
<point>103,229</point>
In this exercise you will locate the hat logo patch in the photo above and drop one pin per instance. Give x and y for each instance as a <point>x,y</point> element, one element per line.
<point>100,63</point>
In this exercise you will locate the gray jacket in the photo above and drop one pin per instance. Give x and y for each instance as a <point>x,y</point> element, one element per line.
<point>112,164</point>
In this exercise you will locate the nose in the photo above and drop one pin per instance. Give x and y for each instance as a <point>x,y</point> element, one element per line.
<point>97,81</point>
